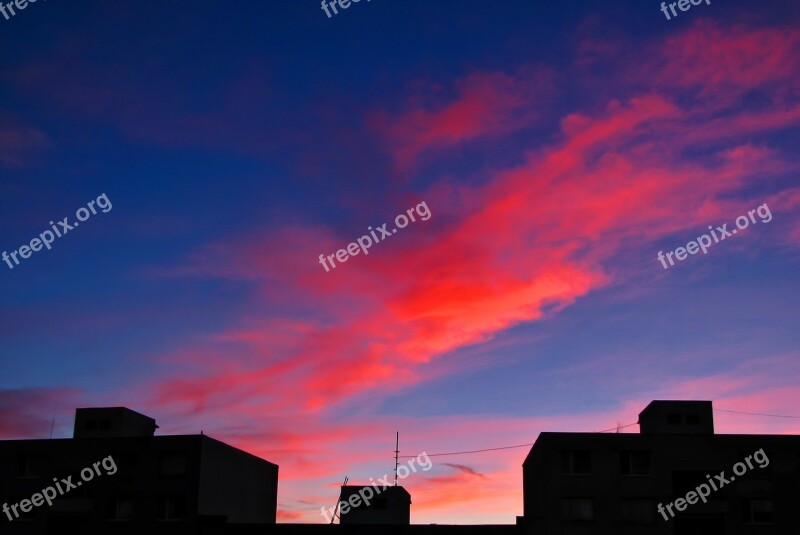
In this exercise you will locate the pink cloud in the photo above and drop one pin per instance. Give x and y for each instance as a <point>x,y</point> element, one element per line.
<point>486,104</point>
<point>716,59</point>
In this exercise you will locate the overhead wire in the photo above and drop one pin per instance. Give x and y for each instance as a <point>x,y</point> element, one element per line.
<point>505,447</point>
<point>759,414</point>
<point>603,431</point>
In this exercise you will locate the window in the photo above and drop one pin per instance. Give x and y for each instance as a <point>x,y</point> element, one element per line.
<point>674,419</point>
<point>381,503</point>
<point>91,425</point>
<point>758,512</point>
<point>171,508</point>
<point>635,463</point>
<point>120,509</point>
<point>693,419</point>
<point>173,465</point>
<point>26,466</point>
<point>104,425</point>
<point>638,511</point>
<point>576,462</point>
<point>577,509</point>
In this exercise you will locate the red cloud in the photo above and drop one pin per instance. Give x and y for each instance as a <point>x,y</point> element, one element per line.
<point>289,516</point>
<point>487,104</point>
<point>736,58</point>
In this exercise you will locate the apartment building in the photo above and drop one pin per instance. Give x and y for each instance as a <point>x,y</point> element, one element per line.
<point>613,483</point>
<point>176,481</point>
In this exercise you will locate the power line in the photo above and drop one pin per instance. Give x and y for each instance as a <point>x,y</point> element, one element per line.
<point>603,431</point>
<point>471,451</point>
<point>615,428</point>
<point>759,414</point>
<point>506,447</point>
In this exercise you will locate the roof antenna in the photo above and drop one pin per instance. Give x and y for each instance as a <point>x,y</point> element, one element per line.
<point>396,453</point>
<point>339,502</point>
<point>52,424</point>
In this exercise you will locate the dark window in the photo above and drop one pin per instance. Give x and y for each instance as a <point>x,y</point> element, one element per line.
<point>172,508</point>
<point>638,511</point>
<point>91,425</point>
<point>758,512</point>
<point>104,425</point>
<point>576,462</point>
<point>120,509</point>
<point>381,503</point>
<point>577,509</point>
<point>674,419</point>
<point>635,463</point>
<point>693,419</point>
<point>26,466</point>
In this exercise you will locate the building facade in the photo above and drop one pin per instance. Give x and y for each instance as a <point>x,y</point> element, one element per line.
<point>115,474</point>
<point>622,484</point>
<point>392,505</point>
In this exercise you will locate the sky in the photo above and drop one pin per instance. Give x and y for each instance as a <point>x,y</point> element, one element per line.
<point>549,151</point>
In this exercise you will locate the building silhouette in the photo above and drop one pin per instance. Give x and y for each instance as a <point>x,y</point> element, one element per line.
<point>600,483</point>
<point>391,506</point>
<point>170,481</point>
<point>675,477</point>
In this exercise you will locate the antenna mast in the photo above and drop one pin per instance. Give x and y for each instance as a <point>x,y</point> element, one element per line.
<point>338,502</point>
<point>396,453</point>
